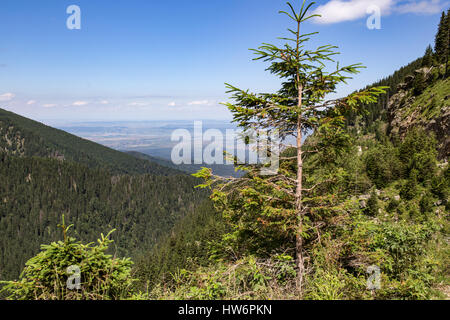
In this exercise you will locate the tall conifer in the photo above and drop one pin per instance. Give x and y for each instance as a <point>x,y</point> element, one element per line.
<point>262,207</point>
<point>442,39</point>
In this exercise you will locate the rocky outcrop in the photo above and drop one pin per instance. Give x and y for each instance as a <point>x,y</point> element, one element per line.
<point>429,110</point>
<point>11,141</point>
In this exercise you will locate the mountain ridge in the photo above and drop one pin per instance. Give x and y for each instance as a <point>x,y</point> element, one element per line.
<point>25,137</point>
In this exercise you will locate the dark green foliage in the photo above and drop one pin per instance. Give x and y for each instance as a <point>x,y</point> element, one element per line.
<point>372,204</point>
<point>34,192</point>
<point>185,247</point>
<point>415,142</point>
<point>409,189</point>
<point>440,185</point>
<point>383,165</point>
<point>419,83</point>
<point>441,46</point>
<point>427,59</point>
<point>426,203</point>
<point>404,244</point>
<point>418,152</point>
<point>392,205</point>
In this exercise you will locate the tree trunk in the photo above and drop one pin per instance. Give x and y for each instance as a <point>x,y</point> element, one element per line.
<point>298,197</point>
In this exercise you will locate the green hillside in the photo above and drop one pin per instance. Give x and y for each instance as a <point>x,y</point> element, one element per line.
<point>418,95</point>
<point>220,169</point>
<point>429,108</point>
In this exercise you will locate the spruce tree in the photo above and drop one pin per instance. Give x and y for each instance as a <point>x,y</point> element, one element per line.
<point>259,205</point>
<point>372,204</point>
<point>419,83</point>
<point>442,40</point>
<point>427,59</point>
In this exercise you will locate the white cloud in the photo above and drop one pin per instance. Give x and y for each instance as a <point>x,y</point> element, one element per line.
<point>422,7</point>
<point>199,103</point>
<point>338,10</point>
<point>30,102</point>
<point>104,102</point>
<point>79,103</point>
<point>172,104</point>
<point>49,105</point>
<point>7,96</point>
<point>335,11</point>
<point>138,104</point>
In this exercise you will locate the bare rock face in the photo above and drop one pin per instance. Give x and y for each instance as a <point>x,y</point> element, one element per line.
<point>406,110</point>
<point>58,156</point>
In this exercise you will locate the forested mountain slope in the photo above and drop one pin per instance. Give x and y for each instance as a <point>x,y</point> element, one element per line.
<point>35,192</point>
<point>418,96</point>
<point>25,137</point>
<point>377,111</point>
<point>45,173</point>
<point>220,169</point>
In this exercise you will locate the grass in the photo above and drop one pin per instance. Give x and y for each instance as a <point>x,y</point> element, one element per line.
<point>432,101</point>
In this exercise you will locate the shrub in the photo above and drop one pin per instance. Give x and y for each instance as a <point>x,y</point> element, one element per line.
<point>382,165</point>
<point>426,203</point>
<point>418,152</point>
<point>419,83</point>
<point>246,278</point>
<point>409,190</point>
<point>440,185</point>
<point>47,275</point>
<point>372,204</point>
<point>392,205</point>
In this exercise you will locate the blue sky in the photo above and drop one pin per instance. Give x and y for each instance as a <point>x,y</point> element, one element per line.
<point>151,60</point>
